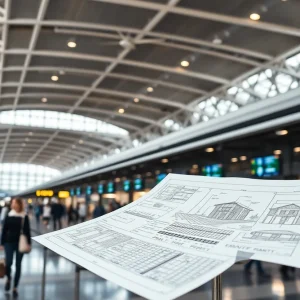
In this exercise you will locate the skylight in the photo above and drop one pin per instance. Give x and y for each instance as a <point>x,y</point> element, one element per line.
<point>58,120</point>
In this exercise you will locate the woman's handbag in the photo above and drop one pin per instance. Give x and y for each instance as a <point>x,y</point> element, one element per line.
<point>24,246</point>
<point>2,267</point>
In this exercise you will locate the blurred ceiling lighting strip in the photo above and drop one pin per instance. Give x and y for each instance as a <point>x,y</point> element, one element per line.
<point>282,132</point>
<point>210,149</point>
<point>255,17</point>
<point>277,152</point>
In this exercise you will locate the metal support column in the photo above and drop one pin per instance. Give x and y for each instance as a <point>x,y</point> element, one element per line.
<point>77,282</point>
<point>217,288</point>
<point>44,274</point>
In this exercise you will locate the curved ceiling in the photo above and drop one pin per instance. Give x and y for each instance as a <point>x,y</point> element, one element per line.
<point>149,67</point>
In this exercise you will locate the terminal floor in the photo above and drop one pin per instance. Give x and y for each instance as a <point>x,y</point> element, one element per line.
<point>61,274</point>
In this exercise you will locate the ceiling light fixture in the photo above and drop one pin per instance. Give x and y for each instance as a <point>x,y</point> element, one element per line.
<point>23,144</point>
<point>164,160</point>
<point>80,141</point>
<point>254,17</point>
<point>62,72</point>
<point>44,99</point>
<point>150,89</point>
<point>277,152</point>
<point>72,44</point>
<point>297,149</point>
<point>217,41</point>
<point>243,157</point>
<point>282,132</point>
<point>210,149</point>
<point>121,110</point>
<point>27,140</point>
<point>54,78</point>
<point>195,166</point>
<point>136,100</point>
<point>185,63</point>
<point>234,159</point>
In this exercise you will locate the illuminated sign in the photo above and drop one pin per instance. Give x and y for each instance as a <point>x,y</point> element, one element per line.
<point>88,190</point>
<point>101,189</point>
<point>138,184</point>
<point>126,185</point>
<point>110,188</point>
<point>160,177</point>
<point>78,191</point>
<point>72,192</point>
<point>44,193</point>
<point>63,194</point>
<point>213,170</point>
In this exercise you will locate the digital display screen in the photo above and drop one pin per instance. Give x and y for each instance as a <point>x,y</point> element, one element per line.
<point>126,185</point>
<point>213,170</point>
<point>266,166</point>
<point>88,190</point>
<point>160,177</point>
<point>138,184</point>
<point>72,192</point>
<point>78,191</point>
<point>110,187</point>
<point>101,189</point>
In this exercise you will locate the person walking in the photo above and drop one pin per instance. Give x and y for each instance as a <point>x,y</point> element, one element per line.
<point>82,212</point>
<point>15,224</point>
<point>99,210</point>
<point>46,214</point>
<point>37,213</point>
<point>57,212</point>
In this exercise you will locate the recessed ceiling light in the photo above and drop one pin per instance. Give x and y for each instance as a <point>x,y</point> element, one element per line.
<point>210,149</point>
<point>44,99</point>
<point>217,41</point>
<point>54,78</point>
<point>150,89</point>
<point>243,157</point>
<point>255,17</point>
<point>80,141</point>
<point>284,0</point>
<point>185,63</point>
<point>62,72</point>
<point>282,132</point>
<point>164,160</point>
<point>277,152</point>
<point>136,100</point>
<point>23,144</point>
<point>234,159</point>
<point>72,44</point>
<point>195,166</point>
<point>297,149</point>
<point>121,110</point>
<point>27,139</point>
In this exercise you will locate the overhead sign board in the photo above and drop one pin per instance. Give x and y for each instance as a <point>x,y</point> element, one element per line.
<point>44,193</point>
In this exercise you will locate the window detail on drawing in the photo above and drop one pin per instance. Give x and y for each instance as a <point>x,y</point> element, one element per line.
<point>285,215</point>
<point>230,211</point>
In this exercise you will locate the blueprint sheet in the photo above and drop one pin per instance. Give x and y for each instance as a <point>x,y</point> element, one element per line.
<point>186,231</point>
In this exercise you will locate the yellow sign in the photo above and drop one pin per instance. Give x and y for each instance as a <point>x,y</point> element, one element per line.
<point>63,194</point>
<point>44,193</point>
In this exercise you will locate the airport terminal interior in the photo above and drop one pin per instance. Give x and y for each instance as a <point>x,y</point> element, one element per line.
<point>101,99</point>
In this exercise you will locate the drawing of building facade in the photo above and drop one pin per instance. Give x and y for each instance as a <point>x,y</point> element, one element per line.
<point>230,211</point>
<point>286,215</point>
<point>275,235</point>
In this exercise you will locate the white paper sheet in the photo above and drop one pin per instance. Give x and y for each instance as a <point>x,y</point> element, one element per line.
<point>185,231</point>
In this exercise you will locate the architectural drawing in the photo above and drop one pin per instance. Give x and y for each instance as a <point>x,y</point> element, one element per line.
<point>230,211</point>
<point>285,215</point>
<point>175,193</point>
<point>275,235</point>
